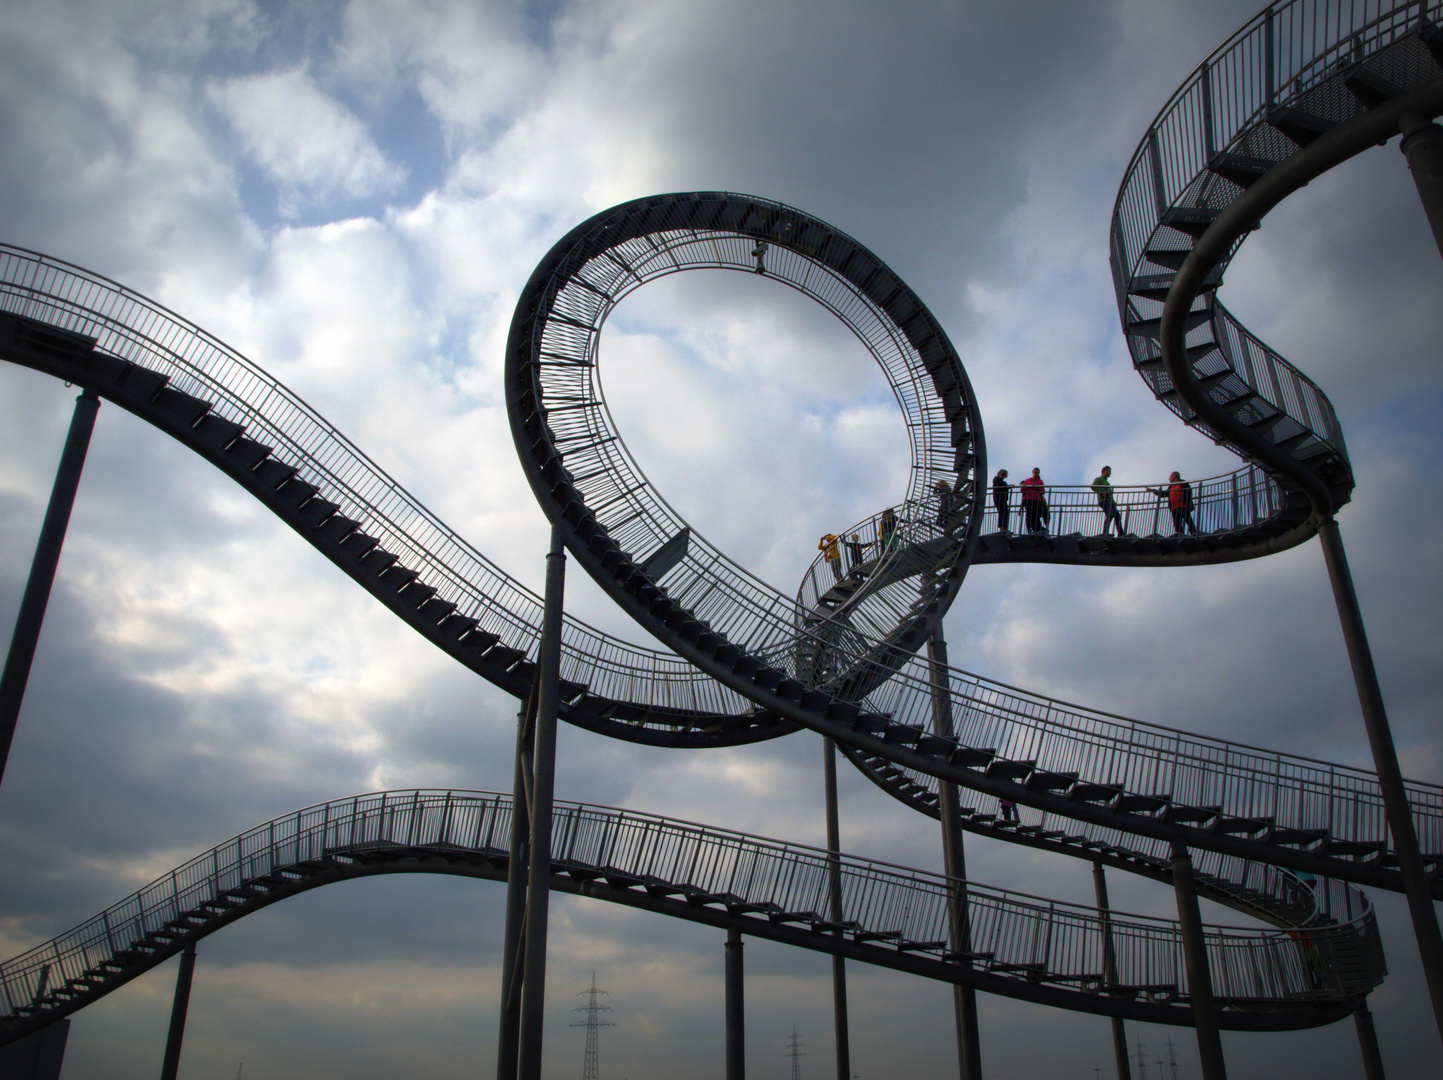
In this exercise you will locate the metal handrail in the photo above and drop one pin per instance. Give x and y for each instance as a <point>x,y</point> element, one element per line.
<point>1243,499</point>
<point>1012,931</point>
<point>734,603</point>
<point>1141,758</point>
<point>1277,58</point>
<point>136,329</point>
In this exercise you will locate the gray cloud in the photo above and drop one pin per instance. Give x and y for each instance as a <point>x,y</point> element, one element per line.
<point>203,669</point>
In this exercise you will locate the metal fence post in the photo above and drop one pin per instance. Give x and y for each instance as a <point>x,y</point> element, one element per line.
<point>514,932</point>
<point>736,1042</point>
<point>1385,759</point>
<point>1368,1042</point>
<point>954,860</point>
<point>1195,957</point>
<point>1422,145</point>
<point>171,1063</point>
<point>834,881</point>
<point>538,891</point>
<point>36,597</point>
<point>1109,970</point>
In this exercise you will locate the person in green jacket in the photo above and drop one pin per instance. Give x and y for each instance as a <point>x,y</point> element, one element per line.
<point>1102,488</point>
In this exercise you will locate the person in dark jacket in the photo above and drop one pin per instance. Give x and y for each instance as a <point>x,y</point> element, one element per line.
<point>888,530</point>
<point>1001,490</point>
<point>944,502</point>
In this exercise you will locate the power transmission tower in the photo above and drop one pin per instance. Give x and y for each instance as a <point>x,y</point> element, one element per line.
<point>1171,1059</point>
<point>794,1051</point>
<point>1141,1062</point>
<point>591,1066</point>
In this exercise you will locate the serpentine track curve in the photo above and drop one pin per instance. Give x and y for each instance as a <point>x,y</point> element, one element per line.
<point>1022,946</point>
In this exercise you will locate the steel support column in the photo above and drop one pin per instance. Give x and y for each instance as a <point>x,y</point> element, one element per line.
<point>1385,759</point>
<point>736,1037</point>
<point>508,1042</point>
<point>543,777</point>
<point>1109,970</point>
<point>42,569</point>
<point>1199,976</point>
<point>954,862</point>
<point>170,1065</point>
<point>834,873</point>
<point>1422,145</point>
<point>1368,1043</point>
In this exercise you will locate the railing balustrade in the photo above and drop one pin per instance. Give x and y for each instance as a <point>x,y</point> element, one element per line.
<point>1012,932</point>
<point>133,328</point>
<point>1280,59</point>
<point>1142,758</point>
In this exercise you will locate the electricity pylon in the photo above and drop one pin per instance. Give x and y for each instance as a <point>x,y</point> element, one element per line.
<point>591,1066</point>
<point>794,1051</point>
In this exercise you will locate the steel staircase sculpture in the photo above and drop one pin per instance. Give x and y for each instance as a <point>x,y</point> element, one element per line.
<point>1022,946</point>
<point>840,657</point>
<point>872,695</point>
<point>1292,74</point>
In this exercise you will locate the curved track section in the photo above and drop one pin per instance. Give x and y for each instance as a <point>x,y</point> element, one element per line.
<point>1241,515</point>
<point>1301,87</point>
<point>1294,92</point>
<point>661,572</point>
<point>1100,771</point>
<point>72,324</point>
<point>1298,89</point>
<point>1023,947</point>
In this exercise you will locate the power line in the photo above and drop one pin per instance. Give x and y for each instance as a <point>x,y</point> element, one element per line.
<point>591,1064</point>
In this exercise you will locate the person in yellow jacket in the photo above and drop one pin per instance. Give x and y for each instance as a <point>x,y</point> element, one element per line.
<point>827,545</point>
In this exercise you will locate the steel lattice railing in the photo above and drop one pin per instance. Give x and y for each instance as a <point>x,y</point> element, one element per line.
<point>730,600</point>
<point>1340,802</point>
<point>136,329</point>
<point>1011,932</point>
<point>1230,121</point>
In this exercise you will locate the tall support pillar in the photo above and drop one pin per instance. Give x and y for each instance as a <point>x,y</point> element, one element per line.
<point>509,1041</point>
<point>1385,759</point>
<point>1422,145</point>
<point>1368,1042</point>
<point>543,779</point>
<point>42,569</point>
<point>1109,970</point>
<point>954,862</point>
<point>735,1008</point>
<point>1199,976</point>
<point>834,873</point>
<point>171,1063</point>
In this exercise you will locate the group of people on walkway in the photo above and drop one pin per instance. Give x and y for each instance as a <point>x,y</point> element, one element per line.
<point>831,546</point>
<point>1037,513</point>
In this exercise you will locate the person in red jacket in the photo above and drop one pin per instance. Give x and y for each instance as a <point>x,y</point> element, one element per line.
<point>1179,501</point>
<point>1034,501</point>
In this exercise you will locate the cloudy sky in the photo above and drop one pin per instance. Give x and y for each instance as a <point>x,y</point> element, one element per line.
<point>352,194</point>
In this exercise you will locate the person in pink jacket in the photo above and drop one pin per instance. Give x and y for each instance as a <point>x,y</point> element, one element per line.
<point>1034,501</point>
